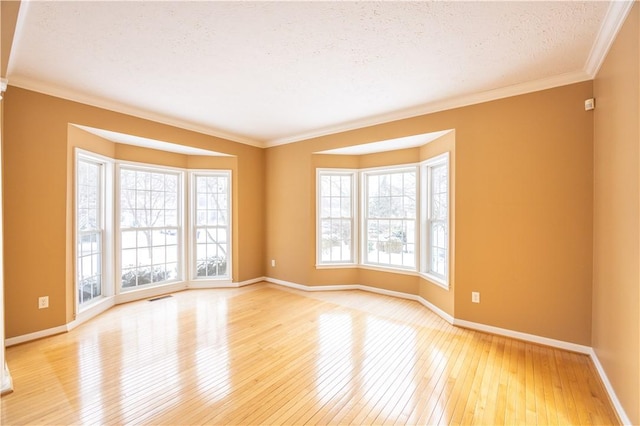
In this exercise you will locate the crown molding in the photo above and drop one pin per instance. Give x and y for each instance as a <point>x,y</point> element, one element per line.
<point>74,96</point>
<point>442,105</point>
<point>613,21</point>
<point>430,108</point>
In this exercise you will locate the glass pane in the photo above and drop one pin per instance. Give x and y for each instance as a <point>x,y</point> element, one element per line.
<point>345,186</point>
<point>372,186</point>
<point>346,207</point>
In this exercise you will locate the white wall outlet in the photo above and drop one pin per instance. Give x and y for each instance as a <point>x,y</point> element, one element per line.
<point>589,104</point>
<point>273,263</point>
<point>43,302</point>
<point>475,296</point>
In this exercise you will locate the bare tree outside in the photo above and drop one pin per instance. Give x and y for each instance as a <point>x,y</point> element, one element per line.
<point>391,218</point>
<point>212,224</point>
<point>88,230</point>
<point>149,223</point>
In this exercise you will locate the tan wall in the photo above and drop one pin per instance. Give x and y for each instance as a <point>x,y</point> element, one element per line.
<point>9,16</point>
<point>37,167</point>
<point>616,269</point>
<point>523,200</point>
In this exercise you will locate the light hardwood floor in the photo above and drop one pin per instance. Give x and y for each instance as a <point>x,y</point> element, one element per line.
<point>268,355</point>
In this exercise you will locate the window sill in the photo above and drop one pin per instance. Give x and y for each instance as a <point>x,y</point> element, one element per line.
<point>368,267</point>
<point>390,269</point>
<point>335,265</point>
<point>435,280</point>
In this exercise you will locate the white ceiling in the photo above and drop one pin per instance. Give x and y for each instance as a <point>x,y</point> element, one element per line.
<point>267,73</point>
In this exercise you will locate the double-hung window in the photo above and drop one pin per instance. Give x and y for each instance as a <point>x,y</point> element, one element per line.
<point>212,224</point>
<point>90,256</point>
<point>403,219</point>
<point>150,225</point>
<point>435,174</point>
<point>336,194</point>
<point>389,207</point>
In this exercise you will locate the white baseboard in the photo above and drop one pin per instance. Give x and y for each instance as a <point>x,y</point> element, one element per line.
<point>11,341</point>
<point>311,287</point>
<point>560,344</point>
<point>223,284</point>
<point>370,289</point>
<point>607,384</point>
<point>251,281</point>
<point>7,383</point>
<point>442,314</point>
<point>199,285</point>
<point>103,305</point>
<point>145,293</point>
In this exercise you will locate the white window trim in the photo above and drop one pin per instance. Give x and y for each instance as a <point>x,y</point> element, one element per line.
<point>425,205</point>
<point>191,226</point>
<point>106,219</point>
<point>354,219</point>
<point>118,231</point>
<point>363,217</point>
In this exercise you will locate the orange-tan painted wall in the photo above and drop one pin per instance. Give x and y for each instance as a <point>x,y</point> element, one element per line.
<point>8,19</point>
<point>39,200</point>
<point>523,211</point>
<point>616,269</point>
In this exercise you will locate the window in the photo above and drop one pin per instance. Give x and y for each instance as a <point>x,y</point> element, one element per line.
<point>89,228</point>
<point>212,224</point>
<point>403,220</point>
<point>336,216</point>
<point>436,218</point>
<point>150,226</point>
<point>389,205</point>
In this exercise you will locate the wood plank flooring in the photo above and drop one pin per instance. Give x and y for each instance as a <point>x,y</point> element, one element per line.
<point>268,355</point>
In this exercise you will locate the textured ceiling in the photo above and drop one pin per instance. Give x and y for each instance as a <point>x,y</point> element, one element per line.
<point>266,73</point>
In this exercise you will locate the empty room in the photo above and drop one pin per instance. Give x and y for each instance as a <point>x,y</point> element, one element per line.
<point>287,213</point>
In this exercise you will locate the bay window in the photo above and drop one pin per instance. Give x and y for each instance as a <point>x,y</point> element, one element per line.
<point>403,220</point>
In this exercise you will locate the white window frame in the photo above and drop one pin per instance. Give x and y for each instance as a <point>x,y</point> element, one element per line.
<point>193,274</point>
<point>179,229</point>
<point>353,174</point>
<point>106,211</point>
<point>364,174</point>
<point>426,168</point>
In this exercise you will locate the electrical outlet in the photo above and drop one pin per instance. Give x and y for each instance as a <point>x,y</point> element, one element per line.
<point>475,297</point>
<point>43,302</point>
<point>273,263</point>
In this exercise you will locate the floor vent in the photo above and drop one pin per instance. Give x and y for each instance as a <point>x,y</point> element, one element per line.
<point>160,298</point>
